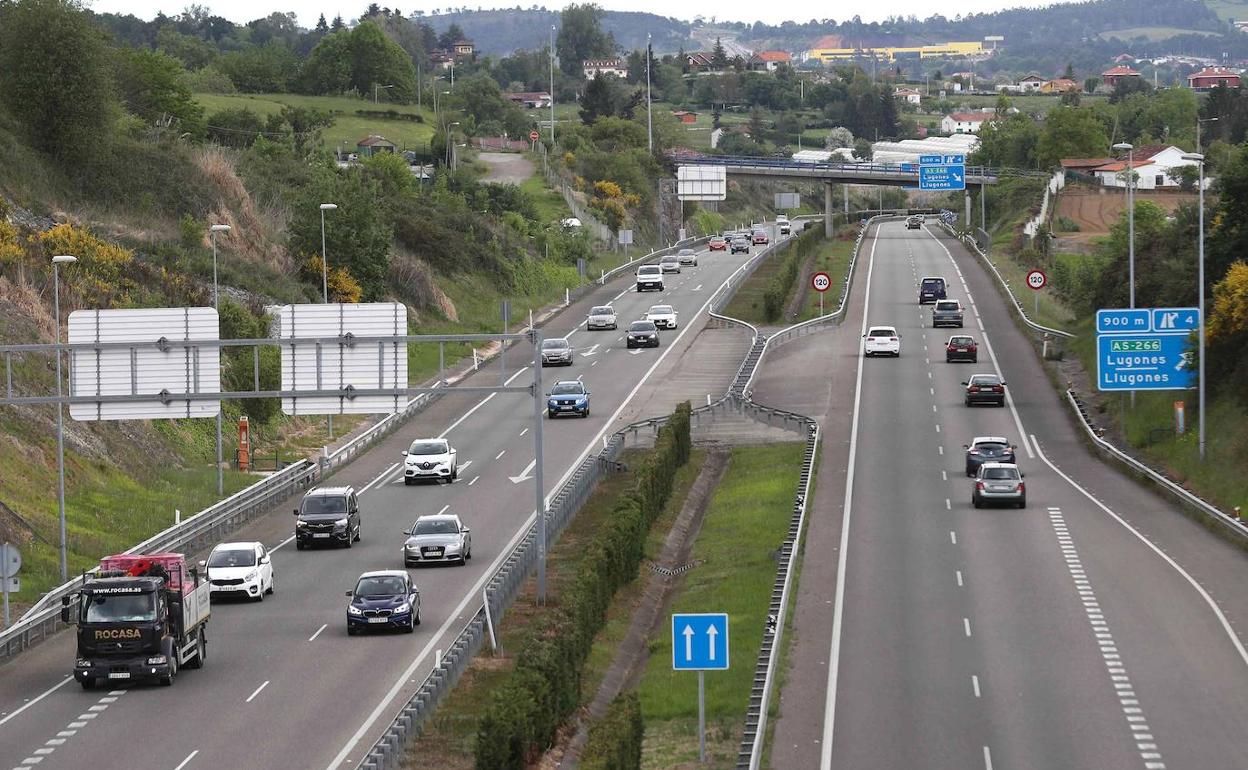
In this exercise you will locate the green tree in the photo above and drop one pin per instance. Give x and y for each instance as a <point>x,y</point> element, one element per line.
<point>581,37</point>
<point>1009,142</point>
<point>862,149</point>
<point>1070,132</point>
<point>1091,84</point>
<point>598,100</point>
<point>56,80</point>
<point>1228,239</point>
<point>758,129</point>
<point>259,69</point>
<point>357,234</point>
<point>328,68</point>
<point>1069,74</point>
<point>719,57</point>
<point>235,127</point>
<point>378,60</point>
<point>151,86</point>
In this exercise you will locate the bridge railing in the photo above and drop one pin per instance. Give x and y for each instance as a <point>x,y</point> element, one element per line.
<point>847,167</point>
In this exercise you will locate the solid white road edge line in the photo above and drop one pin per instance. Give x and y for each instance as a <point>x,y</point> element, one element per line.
<point>38,698</point>
<point>1226,625</point>
<point>279,545</point>
<point>838,612</point>
<point>473,595</point>
<point>996,367</point>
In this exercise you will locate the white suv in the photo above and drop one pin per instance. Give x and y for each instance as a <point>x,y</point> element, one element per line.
<point>430,458</point>
<point>649,277</point>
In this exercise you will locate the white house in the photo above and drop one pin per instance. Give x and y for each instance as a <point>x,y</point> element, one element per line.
<point>1156,168</point>
<point>909,95</point>
<point>592,67</point>
<point>964,122</point>
<point>1032,82</point>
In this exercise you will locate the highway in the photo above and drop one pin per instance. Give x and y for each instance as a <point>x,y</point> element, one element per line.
<point>1095,629</point>
<point>284,687</point>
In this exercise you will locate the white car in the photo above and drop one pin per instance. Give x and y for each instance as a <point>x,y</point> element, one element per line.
<point>430,458</point>
<point>662,316</point>
<point>239,569</point>
<point>670,264</point>
<point>437,538</point>
<point>601,317</point>
<point>881,341</point>
<point>649,278</point>
<point>687,257</point>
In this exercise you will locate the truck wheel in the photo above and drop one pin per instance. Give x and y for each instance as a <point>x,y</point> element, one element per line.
<point>167,681</point>
<point>201,650</point>
<point>358,530</point>
<point>272,585</point>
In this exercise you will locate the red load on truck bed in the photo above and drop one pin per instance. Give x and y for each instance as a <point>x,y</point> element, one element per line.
<point>174,565</point>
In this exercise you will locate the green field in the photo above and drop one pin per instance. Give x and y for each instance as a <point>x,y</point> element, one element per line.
<point>1151,34</point>
<point>735,558</point>
<point>1229,10</point>
<point>348,127</point>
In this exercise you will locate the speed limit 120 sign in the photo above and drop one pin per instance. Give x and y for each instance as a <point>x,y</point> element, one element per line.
<point>1037,280</point>
<point>534,136</point>
<point>820,282</point>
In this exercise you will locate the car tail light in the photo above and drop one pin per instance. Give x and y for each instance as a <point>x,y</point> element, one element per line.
<point>892,339</point>
<point>973,452</point>
<point>1022,487</point>
<point>979,485</point>
<point>870,339</point>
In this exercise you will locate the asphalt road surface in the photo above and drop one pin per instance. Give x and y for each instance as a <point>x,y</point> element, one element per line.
<point>1097,628</point>
<point>284,687</point>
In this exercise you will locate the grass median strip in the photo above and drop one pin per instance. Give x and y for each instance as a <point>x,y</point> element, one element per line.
<point>735,557</point>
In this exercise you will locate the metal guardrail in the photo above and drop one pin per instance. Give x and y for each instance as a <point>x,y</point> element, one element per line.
<point>616,271</point>
<point>849,168</point>
<point>43,619</point>
<point>1216,516</point>
<point>971,246</point>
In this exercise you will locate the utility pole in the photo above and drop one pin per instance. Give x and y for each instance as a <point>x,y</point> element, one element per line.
<point>552,86</point>
<point>57,261</point>
<point>214,229</point>
<point>649,119</point>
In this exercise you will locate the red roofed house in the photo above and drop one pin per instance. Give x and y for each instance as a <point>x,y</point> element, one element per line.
<point>1059,85</point>
<point>964,122</point>
<point>701,61</point>
<point>1155,168</point>
<point>1211,77</point>
<point>684,116</point>
<point>1111,76</point>
<point>374,144</point>
<point>769,60</point>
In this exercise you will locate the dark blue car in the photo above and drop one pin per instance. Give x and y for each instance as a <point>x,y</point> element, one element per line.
<point>383,599</point>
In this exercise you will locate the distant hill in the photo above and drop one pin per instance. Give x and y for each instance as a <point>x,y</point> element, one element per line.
<point>500,32</point>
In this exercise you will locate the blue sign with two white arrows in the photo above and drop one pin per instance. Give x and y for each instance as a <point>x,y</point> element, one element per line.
<point>700,641</point>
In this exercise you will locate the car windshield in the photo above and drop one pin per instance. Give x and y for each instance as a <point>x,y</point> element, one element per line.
<point>602,310</point>
<point>641,326</point>
<point>427,448</point>
<point>933,283</point>
<point>1001,473</point>
<point>990,446</point>
<point>435,527</point>
<point>881,331</point>
<point>947,305</point>
<point>119,608</point>
<point>718,238</point>
<point>554,344</point>
<point>385,585</point>
<point>233,557</point>
<point>687,252</point>
<point>961,341</point>
<point>566,389</point>
<point>985,379</point>
<point>324,504</point>
<point>669,259</point>
<point>661,309</point>
<point>648,270</point>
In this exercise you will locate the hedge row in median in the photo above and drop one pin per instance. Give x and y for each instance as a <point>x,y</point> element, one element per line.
<point>545,687</point>
<point>781,284</point>
<point>615,740</point>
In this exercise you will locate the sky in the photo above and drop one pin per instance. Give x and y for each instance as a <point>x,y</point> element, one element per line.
<point>241,11</point>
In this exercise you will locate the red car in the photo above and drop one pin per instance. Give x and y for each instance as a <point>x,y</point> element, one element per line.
<point>760,237</point>
<point>961,347</point>
<point>717,243</point>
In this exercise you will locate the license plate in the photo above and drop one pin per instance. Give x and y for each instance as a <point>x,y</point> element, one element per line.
<point>320,534</point>
<point>377,620</point>
<point>566,408</point>
<point>119,675</point>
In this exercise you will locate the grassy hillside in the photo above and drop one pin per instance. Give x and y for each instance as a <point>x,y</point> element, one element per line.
<point>349,125</point>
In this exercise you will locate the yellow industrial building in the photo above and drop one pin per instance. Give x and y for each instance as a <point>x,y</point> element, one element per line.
<point>833,48</point>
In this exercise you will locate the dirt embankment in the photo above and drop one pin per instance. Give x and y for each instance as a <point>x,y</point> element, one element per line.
<point>1095,210</point>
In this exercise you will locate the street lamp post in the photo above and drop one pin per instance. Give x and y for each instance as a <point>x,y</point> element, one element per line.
<point>57,261</point>
<point>1200,289</point>
<point>1130,150</point>
<point>649,120</point>
<point>1198,122</point>
<point>552,86</point>
<point>216,304</point>
<point>376,87</point>
<point>325,284</point>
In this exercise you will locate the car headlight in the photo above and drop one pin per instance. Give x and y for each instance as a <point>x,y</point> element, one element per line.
<point>301,523</point>
<point>453,547</point>
<point>552,402</point>
<point>83,663</point>
<point>250,576</point>
<point>411,546</point>
<point>340,524</point>
<point>581,401</point>
<point>353,610</point>
<point>156,660</point>
<point>403,608</point>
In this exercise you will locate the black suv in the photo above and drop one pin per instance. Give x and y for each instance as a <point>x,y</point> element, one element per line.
<point>328,516</point>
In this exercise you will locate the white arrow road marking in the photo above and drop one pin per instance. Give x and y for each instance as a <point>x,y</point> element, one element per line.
<point>592,350</point>
<point>712,632</point>
<point>697,288</point>
<point>635,353</point>
<point>524,474</point>
<point>464,466</point>
<point>688,632</point>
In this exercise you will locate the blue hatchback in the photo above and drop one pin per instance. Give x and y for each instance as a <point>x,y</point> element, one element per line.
<point>383,599</point>
<point>568,397</point>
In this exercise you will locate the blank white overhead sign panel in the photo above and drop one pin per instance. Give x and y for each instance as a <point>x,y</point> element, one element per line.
<point>336,365</point>
<point>155,363</point>
<point>702,183</point>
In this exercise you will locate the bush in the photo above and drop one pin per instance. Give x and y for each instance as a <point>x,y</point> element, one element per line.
<point>782,282</point>
<point>544,689</point>
<point>615,740</point>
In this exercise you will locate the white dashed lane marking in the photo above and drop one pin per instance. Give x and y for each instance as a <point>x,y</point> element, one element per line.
<point>52,744</point>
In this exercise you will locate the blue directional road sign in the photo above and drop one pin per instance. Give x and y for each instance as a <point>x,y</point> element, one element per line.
<point>700,641</point>
<point>1144,362</point>
<point>1123,320</point>
<point>942,177</point>
<point>1176,319</point>
<point>942,160</point>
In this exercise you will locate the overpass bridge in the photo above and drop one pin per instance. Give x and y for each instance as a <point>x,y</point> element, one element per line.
<point>831,173</point>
